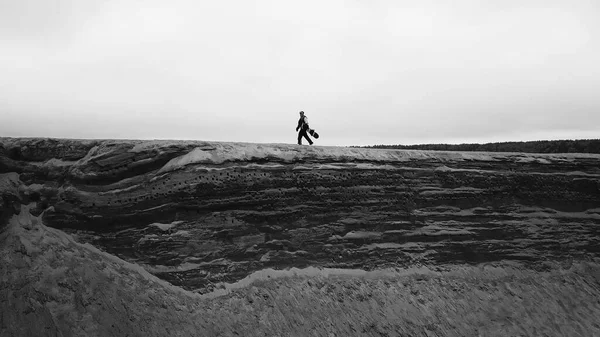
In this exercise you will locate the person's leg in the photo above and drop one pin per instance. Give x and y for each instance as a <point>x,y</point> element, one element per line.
<point>307,137</point>
<point>300,137</point>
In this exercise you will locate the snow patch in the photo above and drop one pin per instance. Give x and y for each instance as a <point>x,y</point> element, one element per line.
<point>197,155</point>
<point>361,235</point>
<point>218,153</point>
<point>182,233</point>
<point>146,238</point>
<point>164,226</point>
<point>148,145</point>
<point>533,160</point>
<point>270,274</point>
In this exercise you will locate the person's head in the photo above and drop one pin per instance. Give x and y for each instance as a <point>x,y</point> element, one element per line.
<point>301,113</point>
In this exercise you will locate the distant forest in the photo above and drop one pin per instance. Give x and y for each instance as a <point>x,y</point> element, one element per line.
<point>540,146</point>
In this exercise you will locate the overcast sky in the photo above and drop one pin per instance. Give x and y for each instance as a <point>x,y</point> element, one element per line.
<point>365,72</point>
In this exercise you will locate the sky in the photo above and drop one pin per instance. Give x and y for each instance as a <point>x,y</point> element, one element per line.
<point>365,72</point>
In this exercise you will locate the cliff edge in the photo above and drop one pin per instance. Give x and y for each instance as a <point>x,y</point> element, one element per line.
<point>183,221</point>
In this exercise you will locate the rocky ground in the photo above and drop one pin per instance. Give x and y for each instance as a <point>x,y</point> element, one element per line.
<point>139,237</point>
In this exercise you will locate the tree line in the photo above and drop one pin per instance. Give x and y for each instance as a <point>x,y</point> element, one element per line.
<point>540,146</point>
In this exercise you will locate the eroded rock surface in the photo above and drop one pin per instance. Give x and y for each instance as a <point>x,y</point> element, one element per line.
<point>52,285</point>
<point>200,213</point>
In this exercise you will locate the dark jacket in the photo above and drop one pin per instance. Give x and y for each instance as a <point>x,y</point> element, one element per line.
<point>302,123</point>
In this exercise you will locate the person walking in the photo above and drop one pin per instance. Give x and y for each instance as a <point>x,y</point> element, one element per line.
<point>303,127</point>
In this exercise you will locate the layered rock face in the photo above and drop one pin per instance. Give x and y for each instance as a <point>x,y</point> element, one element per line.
<point>197,214</point>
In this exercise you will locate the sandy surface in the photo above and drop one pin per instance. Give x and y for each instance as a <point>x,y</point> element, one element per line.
<point>53,286</point>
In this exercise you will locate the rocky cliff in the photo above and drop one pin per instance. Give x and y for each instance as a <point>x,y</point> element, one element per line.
<point>198,213</point>
<point>202,215</point>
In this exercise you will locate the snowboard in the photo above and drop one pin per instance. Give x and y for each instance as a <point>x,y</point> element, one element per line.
<point>313,133</point>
